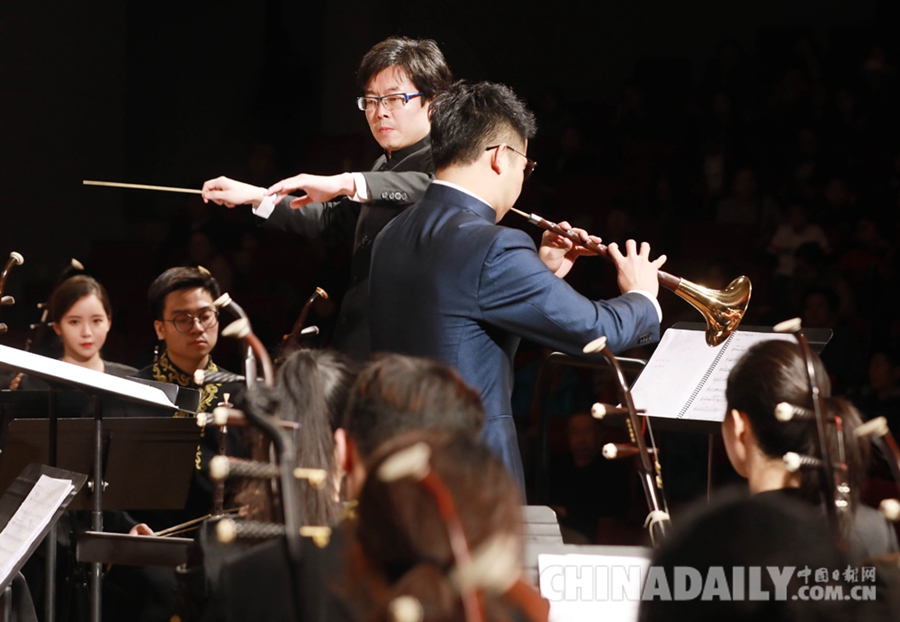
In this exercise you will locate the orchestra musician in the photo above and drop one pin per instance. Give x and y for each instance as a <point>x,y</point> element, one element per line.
<point>399,78</point>
<point>391,396</point>
<point>405,557</point>
<point>311,389</point>
<point>448,282</point>
<point>80,313</point>
<point>187,323</point>
<point>782,522</point>
<point>772,372</point>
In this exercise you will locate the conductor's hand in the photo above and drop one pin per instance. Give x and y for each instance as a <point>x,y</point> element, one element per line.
<point>559,253</point>
<point>318,188</point>
<point>225,191</point>
<point>635,269</point>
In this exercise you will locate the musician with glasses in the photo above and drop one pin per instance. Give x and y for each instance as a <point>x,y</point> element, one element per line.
<point>447,282</point>
<point>399,78</point>
<point>187,322</point>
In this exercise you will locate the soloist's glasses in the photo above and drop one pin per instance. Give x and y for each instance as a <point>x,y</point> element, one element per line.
<point>529,163</point>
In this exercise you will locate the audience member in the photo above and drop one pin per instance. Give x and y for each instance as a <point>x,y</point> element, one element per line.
<point>843,355</point>
<point>880,397</point>
<point>585,487</point>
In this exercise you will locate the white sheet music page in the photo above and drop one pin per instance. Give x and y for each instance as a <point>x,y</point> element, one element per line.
<point>673,372</point>
<point>33,515</point>
<point>684,374</point>
<point>710,403</point>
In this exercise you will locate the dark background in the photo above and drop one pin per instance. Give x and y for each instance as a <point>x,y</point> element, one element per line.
<point>173,93</point>
<point>648,112</point>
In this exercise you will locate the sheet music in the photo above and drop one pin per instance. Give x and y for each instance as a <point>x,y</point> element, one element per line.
<point>52,369</point>
<point>587,588</point>
<point>679,366</point>
<point>710,404</point>
<point>30,519</point>
<point>673,372</point>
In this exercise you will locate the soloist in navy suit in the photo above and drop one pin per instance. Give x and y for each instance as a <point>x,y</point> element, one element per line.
<point>448,283</point>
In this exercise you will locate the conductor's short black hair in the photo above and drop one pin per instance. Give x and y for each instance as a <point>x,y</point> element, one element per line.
<point>421,59</point>
<point>176,279</point>
<point>468,118</point>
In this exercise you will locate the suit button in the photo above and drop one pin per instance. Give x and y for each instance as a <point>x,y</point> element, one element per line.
<point>405,196</point>
<point>384,195</point>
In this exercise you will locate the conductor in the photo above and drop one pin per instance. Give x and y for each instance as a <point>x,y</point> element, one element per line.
<point>399,78</point>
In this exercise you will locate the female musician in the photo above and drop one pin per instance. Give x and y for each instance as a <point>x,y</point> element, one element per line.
<point>772,372</point>
<point>402,549</point>
<point>81,315</point>
<point>311,389</point>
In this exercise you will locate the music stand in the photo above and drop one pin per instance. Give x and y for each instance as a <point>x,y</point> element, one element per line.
<point>134,476</point>
<point>818,339</point>
<point>122,549</point>
<point>16,494</point>
<point>95,384</point>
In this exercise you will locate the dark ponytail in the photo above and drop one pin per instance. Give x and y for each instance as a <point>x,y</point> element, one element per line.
<point>772,372</point>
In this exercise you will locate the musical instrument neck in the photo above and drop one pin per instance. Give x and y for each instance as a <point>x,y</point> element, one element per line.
<point>667,280</point>
<point>723,310</point>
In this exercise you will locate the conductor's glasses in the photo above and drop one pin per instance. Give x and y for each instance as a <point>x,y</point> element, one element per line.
<point>393,101</point>
<point>184,322</point>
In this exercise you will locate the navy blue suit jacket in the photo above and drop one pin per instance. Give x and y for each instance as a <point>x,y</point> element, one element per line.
<point>447,282</point>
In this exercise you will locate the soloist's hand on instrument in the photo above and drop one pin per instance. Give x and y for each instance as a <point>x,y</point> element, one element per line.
<point>229,192</point>
<point>319,188</point>
<point>635,270</point>
<point>559,253</point>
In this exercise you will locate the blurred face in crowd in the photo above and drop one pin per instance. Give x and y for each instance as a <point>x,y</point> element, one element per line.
<point>584,442</point>
<point>817,312</point>
<point>883,374</point>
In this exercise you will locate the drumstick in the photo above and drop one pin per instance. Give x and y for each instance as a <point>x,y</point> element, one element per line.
<point>116,184</point>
